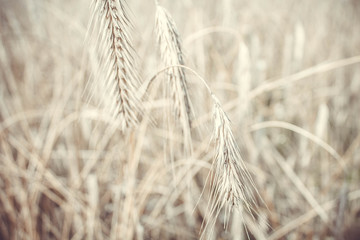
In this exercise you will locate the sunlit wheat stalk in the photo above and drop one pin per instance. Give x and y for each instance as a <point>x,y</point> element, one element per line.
<point>116,80</point>
<point>169,44</point>
<point>231,185</point>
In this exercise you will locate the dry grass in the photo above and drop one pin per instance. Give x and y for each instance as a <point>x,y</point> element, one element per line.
<point>285,167</point>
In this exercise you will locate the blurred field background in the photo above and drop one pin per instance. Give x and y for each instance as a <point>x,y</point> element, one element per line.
<point>286,72</point>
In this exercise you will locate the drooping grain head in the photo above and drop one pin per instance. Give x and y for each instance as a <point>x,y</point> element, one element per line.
<point>116,79</point>
<point>231,184</point>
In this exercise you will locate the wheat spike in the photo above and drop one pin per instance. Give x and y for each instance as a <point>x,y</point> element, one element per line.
<point>116,79</point>
<point>171,54</point>
<point>231,183</point>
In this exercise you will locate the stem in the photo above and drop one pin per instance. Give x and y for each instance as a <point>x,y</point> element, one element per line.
<point>187,68</point>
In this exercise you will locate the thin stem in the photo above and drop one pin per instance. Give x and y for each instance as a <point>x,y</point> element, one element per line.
<point>187,68</point>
